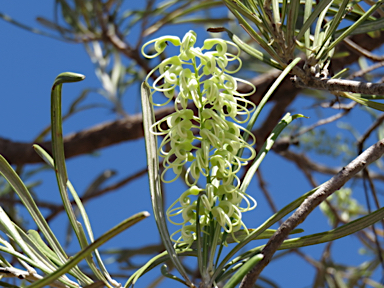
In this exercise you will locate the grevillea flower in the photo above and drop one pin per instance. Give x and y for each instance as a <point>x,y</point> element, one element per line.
<point>207,143</point>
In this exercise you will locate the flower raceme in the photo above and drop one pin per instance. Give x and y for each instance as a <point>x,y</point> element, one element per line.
<point>207,143</point>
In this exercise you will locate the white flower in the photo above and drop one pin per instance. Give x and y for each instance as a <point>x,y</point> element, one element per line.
<point>208,144</point>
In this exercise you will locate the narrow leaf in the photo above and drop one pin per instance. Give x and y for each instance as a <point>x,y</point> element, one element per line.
<point>308,22</point>
<point>263,227</point>
<point>88,250</point>
<point>287,119</point>
<point>48,159</point>
<point>253,52</point>
<point>58,144</point>
<point>363,101</point>
<point>154,180</point>
<point>244,269</point>
<point>18,186</point>
<point>354,25</point>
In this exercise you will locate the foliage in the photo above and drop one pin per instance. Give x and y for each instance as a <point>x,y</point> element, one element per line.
<point>209,138</point>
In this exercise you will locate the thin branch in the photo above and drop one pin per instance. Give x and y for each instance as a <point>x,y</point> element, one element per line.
<point>83,142</point>
<point>145,18</point>
<point>303,161</point>
<point>368,179</point>
<point>361,140</point>
<point>130,128</point>
<point>31,276</point>
<point>56,209</point>
<point>335,183</point>
<point>98,193</point>
<point>340,85</point>
<point>367,70</point>
<point>328,120</point>
<point>265,191</point>
<point>308,259</point>
<point>362,51</point>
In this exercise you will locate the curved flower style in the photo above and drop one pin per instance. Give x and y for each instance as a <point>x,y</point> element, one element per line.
<point>208,143</point>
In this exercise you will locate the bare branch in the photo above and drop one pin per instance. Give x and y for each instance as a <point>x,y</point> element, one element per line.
<point>367,70</point>
<point>335,183</point>
<point>362,51</point>
<point>341,85</point>
<point>264,190</point>
<point>328,120</point>
<point>305,163</point>
<point>361,140</point>
<point>86,141</point>
<point>130,128</point>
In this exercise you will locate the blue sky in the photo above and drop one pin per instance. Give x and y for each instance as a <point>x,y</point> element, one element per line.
<point>30,63</point>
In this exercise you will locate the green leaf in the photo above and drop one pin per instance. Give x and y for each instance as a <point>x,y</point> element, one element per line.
<point>266,97</point>
<point>366,27</point>
<point>89,249</point>
<point>40,244</point>
<point>293,12</point>
<point>252,51</point>
<point>18,186</point>
<point>308,22</point>
<point>248,28</point>
<point>351,28</point>
<point>319,34</point>
<point>266,234</point>
<point>8,227</point>
<point>337,233</point>
<point>61,171</point>
<point>307,14</point>
<point>243,270</point>
<point>363,101</point>
<point>154,180</point>
<point>287,119</point>
<point>58,144</point>
<point>33,256</point>
<point>336,19</point>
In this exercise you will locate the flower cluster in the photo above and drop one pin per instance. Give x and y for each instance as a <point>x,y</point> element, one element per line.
<point>203,136</point>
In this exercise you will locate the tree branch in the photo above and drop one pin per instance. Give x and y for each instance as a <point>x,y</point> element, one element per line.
<point>130,128</point>
<point>304,162</point>
<point>335,183</point>
<point>341,85</point>
<point>83,142</point>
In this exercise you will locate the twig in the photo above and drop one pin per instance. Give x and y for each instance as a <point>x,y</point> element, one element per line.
<point>31,276</point>
<point>265,191</point>
<point>144,22</point>
<point>98,193</point>
<point>361,140</point>
<point>306,163</point>
<point>308,259</point>
<point>302,165</point>
<point>328,120</point>
<point>335,183</point>
<point>340,85</point>
<point>319,278</point>
<point>362,51</point>
<point>368,179</point>
<point>107,134</point>
<point>336,106</point>
<point>365,71</point>
<point>86,141</point>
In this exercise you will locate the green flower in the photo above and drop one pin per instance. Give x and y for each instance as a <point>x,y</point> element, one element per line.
<point>207,143</point>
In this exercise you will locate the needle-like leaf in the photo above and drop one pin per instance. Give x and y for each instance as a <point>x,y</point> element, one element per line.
<point>154,181</point>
